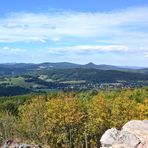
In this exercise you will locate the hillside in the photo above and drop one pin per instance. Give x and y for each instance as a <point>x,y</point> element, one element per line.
<point>64,76</point>
<point>93,75</point>
<point>20,68</point>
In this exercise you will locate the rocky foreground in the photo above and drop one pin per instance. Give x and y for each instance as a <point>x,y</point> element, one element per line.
<point>13,144</point>
<point>133,134</point>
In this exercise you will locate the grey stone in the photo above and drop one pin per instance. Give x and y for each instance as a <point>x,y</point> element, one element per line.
<point>113,136</point>
<point>13,144</point>
<point>109,137</point>
<point>128,139</point>
<point>139,129</point>
<point>134,134</point>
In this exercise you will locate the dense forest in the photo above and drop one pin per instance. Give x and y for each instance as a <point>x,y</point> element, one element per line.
<point>73,119</point>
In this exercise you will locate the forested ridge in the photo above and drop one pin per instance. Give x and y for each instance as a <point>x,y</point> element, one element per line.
<point>69,119</point>
<point>94,75</point>
<point>25,78</point>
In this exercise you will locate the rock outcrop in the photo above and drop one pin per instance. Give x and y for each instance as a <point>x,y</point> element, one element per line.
<point>133,134</point>
<point>13,144</point>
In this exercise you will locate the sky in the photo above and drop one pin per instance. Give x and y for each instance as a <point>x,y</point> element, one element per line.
<point>113,32</point>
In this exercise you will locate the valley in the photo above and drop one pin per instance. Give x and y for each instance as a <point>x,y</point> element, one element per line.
<point>47,77</point>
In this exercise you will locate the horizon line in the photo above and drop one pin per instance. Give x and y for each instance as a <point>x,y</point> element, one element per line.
<point>35,63</point>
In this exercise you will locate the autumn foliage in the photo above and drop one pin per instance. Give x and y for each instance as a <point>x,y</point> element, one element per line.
<point>72,119</point>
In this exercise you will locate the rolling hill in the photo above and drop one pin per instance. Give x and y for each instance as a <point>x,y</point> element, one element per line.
<point>67,76</point>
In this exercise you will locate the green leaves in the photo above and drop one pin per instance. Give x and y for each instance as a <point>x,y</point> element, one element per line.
<point>69,119</point>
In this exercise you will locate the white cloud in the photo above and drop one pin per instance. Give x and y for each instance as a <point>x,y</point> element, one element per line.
<point>122,31</point>
<point>146,55</point>
<point>90,48</point>
<point>56,39</point>
<point>9,50</point>
<point>127,26</point>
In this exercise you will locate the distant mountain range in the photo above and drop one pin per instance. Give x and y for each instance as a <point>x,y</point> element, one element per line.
<point>89,65</point>
<point>68,65</point>
<point>30,68</point>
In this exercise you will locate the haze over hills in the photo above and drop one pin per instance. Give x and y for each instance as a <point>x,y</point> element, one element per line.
<point>64,65</point>
<point>12,69</point>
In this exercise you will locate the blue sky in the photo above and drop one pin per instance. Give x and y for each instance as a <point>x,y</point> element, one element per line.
<point>80,31</point>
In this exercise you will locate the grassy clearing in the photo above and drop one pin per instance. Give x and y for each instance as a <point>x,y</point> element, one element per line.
<point>74,82</point>
<point>17,81</point>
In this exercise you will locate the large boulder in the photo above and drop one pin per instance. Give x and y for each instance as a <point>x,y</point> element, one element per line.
<point>114,137</point>
<point>109,137</point>
<point>134,134</point>
<point>139,129</point>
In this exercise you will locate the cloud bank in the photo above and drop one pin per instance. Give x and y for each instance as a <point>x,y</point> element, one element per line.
<point>116,26</point>
<point>115,31</point>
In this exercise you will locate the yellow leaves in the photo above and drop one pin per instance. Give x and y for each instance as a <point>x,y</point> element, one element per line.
<point>64,119</point>
<point>29,112</point>
<point>31,120</point>
<point>97,114</point>
<point>123,109</point>
<point>62,115</point>
<point>143,110</point>
<point>63,112</point>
